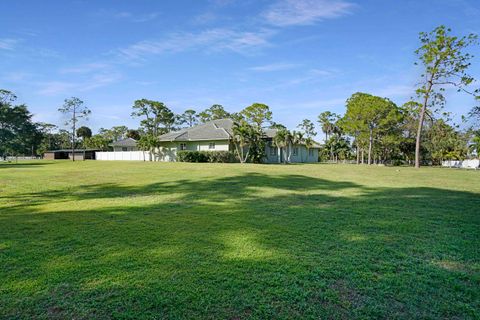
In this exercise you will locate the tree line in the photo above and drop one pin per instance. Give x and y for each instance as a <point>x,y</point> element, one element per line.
<point>372,129</point>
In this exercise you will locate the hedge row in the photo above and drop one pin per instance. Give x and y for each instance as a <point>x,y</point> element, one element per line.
<point>206,156</point>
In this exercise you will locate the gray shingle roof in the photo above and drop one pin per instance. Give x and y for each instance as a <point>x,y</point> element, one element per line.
<point>128,142</point>
<point>270,133</point>
<point>213,130</point>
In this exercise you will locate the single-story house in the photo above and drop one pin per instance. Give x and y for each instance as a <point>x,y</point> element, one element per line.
<point>127,144</point>
<point>80,154</point>
<point>217,135</point>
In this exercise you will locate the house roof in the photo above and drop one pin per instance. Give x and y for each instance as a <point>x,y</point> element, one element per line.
<point>213,130</point>
<point>316,144</point>
<point>128,142</point>
<point>220,129</point>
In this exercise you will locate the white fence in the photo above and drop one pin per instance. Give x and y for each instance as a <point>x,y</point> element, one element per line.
<point>123,155</point>
<point>466,164</point>
<point>10,158</point>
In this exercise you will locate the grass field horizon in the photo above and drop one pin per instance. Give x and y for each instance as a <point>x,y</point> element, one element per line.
<point>146,240</point>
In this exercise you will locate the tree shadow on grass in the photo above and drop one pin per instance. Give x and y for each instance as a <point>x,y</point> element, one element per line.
<point>247,246</point>
<point>20,165</point>
<point>215,190</point>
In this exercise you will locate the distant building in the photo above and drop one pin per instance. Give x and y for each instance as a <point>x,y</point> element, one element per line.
<point>64,154</point>
<point>127,144</point>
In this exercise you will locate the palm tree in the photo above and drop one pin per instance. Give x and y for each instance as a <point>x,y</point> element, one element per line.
<point>297,138</point>
<point>475,145</point>
<point>280,142</point>
<point>148,143</point>
<point>309,143</point>
<point>327,121</point>
<point>288,143</point>
<point>242,135</point>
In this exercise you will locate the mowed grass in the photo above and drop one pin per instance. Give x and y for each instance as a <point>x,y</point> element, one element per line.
<point>135,240</point>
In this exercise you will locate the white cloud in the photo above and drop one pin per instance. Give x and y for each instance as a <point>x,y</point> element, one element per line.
<point>210,40</point>
<point>52,88</point>
<point>305,12</point>
<point>86,68</point>
<point>205,18</point>
<point>319,104</point>
<point>144,17</point>
<point>128,16</point>
<point>222,3</point>
<point>311,76</point>
<point>100,80</point>
<point>397,91</point>
<point>8,43</point>
<point>274,67</point>
<point>17,76</point>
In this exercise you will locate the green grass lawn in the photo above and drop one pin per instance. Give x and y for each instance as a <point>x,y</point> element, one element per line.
<point>135,240</point>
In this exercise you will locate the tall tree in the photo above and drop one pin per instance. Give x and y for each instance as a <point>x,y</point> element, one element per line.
<point>257,115</point>
<point>158,118</point>
<point>278,126</point>
<point>84,132</point>
<point>7,96</point>
<point>133,134</point>
<point>97,141</point>
<point>60,140</point>
<point>243,134</point>
<point>370,116</point>
<point>445,63</point>
<point>308,128</point>
<point>115,133</point>
<point>47,135</point>
<point>75,110</point>
<point>352,124</point>
<point>339,147</point>
<point>188,117</point>
<point>215,112</point>
<point>327,122</point>
<point>18,133</point>
<point>445,142</point>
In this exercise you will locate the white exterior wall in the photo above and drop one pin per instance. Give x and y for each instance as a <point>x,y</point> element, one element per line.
<point>466,164</point>
<point>302,156</point>
<point>313,157</point>
<point>219,145</point>
<point>119,149</point>
<point>271,158</point>
<point>168,150</point>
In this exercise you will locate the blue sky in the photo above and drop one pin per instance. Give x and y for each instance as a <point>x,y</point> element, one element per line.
<point>301,57</point>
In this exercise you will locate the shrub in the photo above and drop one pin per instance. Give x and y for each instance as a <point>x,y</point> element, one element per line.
<point>191,156</point>
<point>206,156</point>
<point>221,156</point>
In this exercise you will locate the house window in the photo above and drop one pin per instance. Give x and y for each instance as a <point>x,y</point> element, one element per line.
<point>211,145</point>
<point>295,151</point>
<point>183,146</point>
<point>273,151</point>
<point>310,152</point>
<point>124,149</point>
